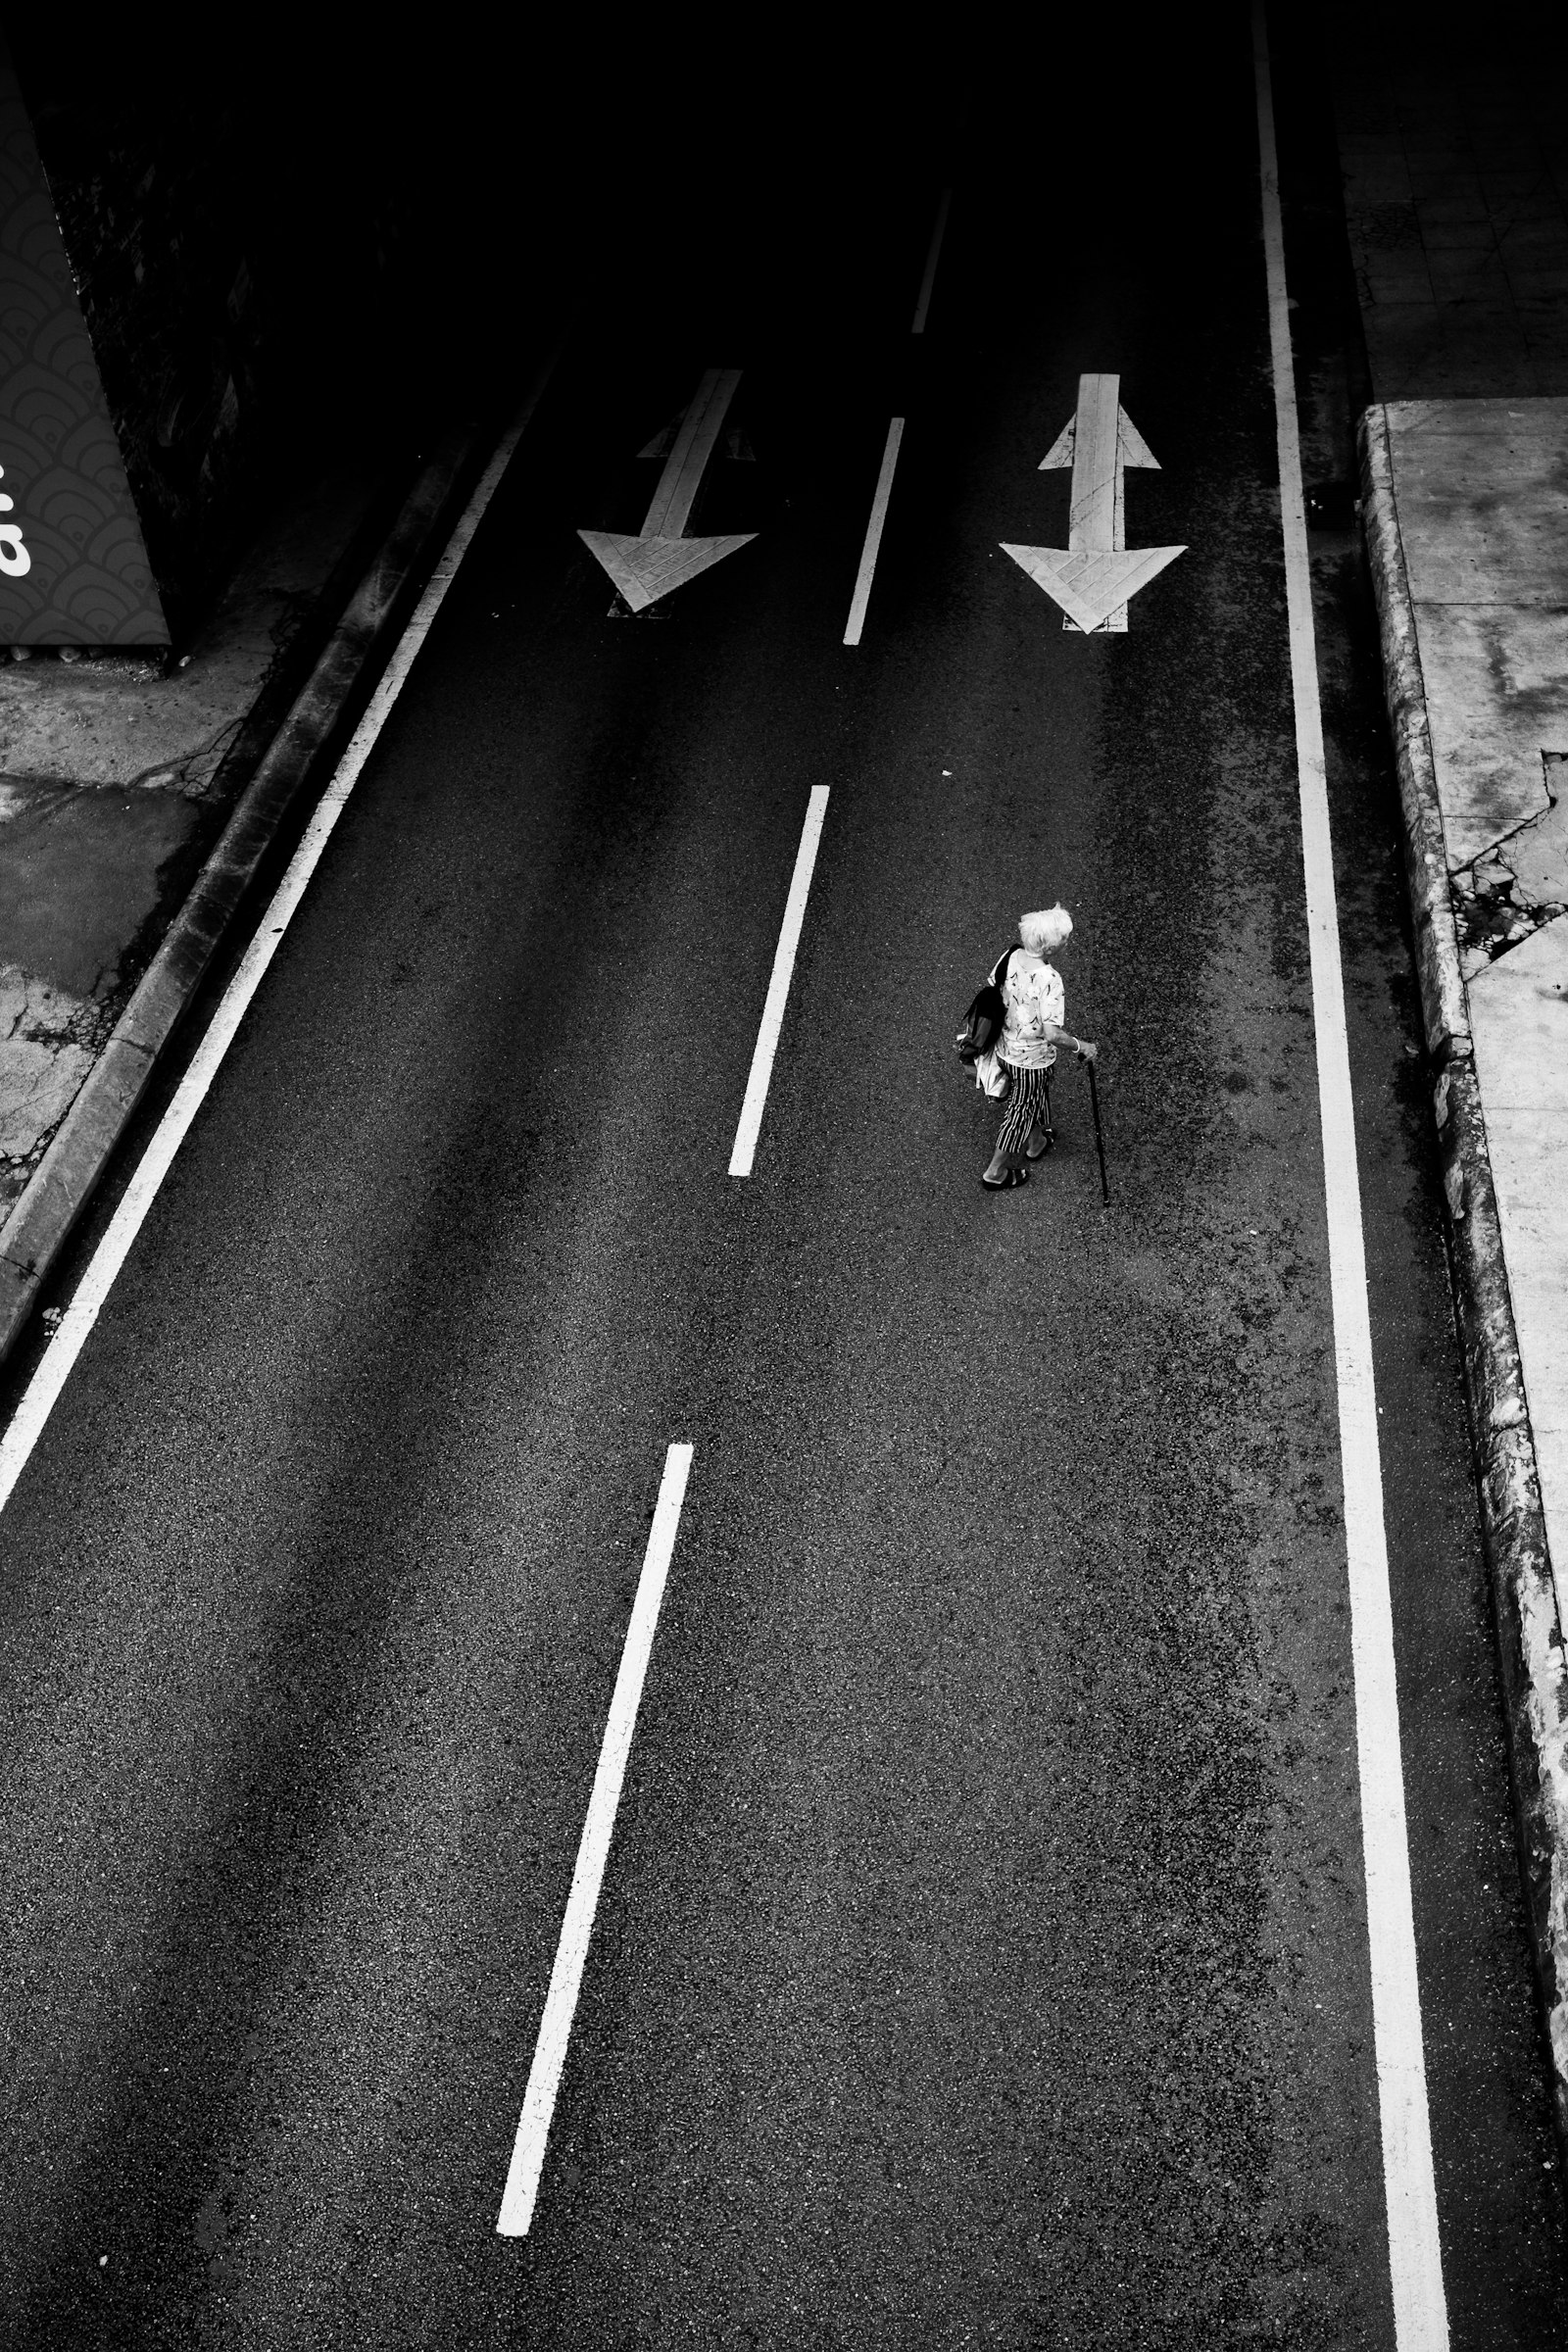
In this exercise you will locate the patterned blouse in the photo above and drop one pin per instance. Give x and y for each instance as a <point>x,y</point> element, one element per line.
<point>1033,995</point>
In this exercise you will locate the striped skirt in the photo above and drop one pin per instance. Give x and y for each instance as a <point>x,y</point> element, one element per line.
<point>1028,1099</point>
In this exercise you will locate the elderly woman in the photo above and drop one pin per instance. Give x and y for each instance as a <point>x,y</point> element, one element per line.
<point>1034,1004</point>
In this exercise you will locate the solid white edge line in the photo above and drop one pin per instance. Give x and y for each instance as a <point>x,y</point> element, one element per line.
<point>54,1368</point>
<point>778,987</point>
<point>1415,2260</point>
<point>593,1852</point>
<point>931,260</point>
<point>873,534</point>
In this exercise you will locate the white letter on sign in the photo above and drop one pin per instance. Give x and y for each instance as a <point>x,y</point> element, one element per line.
<point>14,556</point>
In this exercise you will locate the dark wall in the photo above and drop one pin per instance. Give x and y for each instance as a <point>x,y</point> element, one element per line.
<point>248,251</point>
<point>286,249</point>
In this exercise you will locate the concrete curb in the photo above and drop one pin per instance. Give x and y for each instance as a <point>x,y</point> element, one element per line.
<point>65,1179</point>
<point>1530,1636</point>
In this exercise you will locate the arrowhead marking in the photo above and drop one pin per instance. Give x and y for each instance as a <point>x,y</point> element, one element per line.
<point>1135,450</point>
<point>1131,446</point>
<point>1090,583</point>
<point>736,443</point>
<point>1061,451</point>
<point>645,570</point>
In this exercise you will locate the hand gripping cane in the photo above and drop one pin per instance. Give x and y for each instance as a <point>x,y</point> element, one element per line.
<point>1099,1141</point>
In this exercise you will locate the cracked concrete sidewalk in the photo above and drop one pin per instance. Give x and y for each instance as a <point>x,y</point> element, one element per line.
<point>1481,488</point>
<point>1454,174</point>
<point>114,780</point>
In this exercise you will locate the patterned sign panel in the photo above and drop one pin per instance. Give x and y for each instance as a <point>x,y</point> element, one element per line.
<point>72,567</point>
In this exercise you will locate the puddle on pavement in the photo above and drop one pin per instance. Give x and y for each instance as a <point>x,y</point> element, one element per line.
<point>80,877</point>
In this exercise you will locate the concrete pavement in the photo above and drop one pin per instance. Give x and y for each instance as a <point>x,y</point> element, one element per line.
<point>1476,490</point>
<point>116,773</point>
<point>1451,134</point>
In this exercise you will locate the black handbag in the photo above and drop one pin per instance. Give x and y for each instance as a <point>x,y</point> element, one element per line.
<point>982,1024</point>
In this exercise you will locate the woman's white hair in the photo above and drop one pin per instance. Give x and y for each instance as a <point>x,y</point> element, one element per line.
<point>1044,932</point>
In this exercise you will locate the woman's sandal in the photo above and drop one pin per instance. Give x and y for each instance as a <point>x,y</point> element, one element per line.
<point>1049,1139</point>
<point>1005,1184</point>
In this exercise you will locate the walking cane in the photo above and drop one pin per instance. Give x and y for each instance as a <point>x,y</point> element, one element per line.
<point>1099,1141</point>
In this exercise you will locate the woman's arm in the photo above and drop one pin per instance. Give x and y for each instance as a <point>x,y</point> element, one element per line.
<point>1081,1045</point>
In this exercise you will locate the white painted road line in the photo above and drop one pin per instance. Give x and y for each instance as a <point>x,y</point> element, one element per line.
<point>593,1851</point>
<point>778,987</point>
<point>659,559</point>
<point>873,534</point>
<point>1093,576</point>
<point>71,1337</point>
<point>695,442</point>
<point>931,260</point>
<point>1416,2260</point>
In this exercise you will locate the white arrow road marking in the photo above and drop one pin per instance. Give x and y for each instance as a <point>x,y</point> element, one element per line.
<point>1095,516</point>
<point>1095,575</point>
<point>670,511</point>
<point>736,443</point>
<point>1091,588</point>
<point>645,570</point>
<point>658,559</point>
<point>1135,450</point>
<point>593,1852</point>
<point>1415,2254</point>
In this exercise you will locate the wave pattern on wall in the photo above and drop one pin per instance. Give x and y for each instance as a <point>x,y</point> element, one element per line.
<point>74,570</point>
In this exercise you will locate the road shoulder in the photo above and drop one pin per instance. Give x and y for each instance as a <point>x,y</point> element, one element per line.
<point>109,1070</point>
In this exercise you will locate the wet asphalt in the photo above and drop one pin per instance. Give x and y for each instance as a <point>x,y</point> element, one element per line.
<point>982,1956</point>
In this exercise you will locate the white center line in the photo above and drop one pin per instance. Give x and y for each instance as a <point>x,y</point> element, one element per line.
<point>1415,2260</point>
<point>931,260</point>
<point>778,989</point>
<point>873,534</point>
<point>71,1337</point>
<point>593,1851</point>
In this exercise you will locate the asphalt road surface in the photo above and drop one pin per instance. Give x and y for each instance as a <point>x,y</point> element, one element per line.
<point>982,1955</point>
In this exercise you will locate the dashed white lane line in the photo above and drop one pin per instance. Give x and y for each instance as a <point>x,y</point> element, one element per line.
<point>593,1851</point>
<point>778,987</point>
<point>71,1335</point>
<point>931,260</point>
<point>873,534</point>
<point>1416,2260</point>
